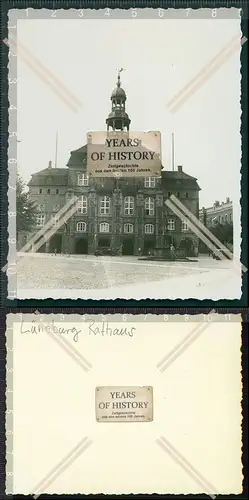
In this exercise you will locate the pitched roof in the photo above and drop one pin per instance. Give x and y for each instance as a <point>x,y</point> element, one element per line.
<point>61,175</point>
<point>82,149</point>
<point>52,171</point>
<point>174,178</point>
<point>77,156</point>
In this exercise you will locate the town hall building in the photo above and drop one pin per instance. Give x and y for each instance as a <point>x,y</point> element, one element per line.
<point>128,216</point>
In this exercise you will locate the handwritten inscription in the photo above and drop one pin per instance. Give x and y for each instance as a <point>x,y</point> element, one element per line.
<point>106,329</point>
<point>40,327</point>
<point>103,329</point>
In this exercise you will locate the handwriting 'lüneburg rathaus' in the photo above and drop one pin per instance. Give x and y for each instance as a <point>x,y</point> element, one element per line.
<point>126,215</point>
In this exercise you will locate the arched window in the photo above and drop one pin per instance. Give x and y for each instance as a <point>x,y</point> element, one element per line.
<point>128,228</point>
<point>81,227</point>
<point>105,205</point>
<point>149,229</point>
<point>104,227</point>
<point>82,208</point>
<point>149,206</point>
<point>129,205</point>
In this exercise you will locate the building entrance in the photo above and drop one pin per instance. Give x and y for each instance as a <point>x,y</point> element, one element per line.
<point>42,248</point>
<point>55,243</point>
<point>128,246</point>
<point>81,246</point>
<point>187,245</point>
<point>149,245</point>
<point>104,242</point>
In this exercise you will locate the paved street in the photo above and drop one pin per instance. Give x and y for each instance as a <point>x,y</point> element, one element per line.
<point>87,276</point>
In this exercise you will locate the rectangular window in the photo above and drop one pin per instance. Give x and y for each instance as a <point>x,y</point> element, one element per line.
<point>184,225</point>
<point>82,180</point>
<point>40,191</point>
<point>82,209</point>
<point>171,225</point>
<point>149,206</point>
<point>49,191</point>
<point>40,220</point>
<point>105,204</point>
<point>149,182</point>
<point>57,191</point>
<point>55,221</point>
<point>129,205</point>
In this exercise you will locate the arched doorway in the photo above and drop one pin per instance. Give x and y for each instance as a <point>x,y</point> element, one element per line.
<point>187,245</point>
<point>168,241</point>
<point>81,246</point>
<point>149,245</point>
<point>128,246</point>
<point>104,242</point>
<point>55,243</point>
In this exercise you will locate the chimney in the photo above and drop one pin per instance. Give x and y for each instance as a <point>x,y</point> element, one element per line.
<point>217,203</point>
<point>50,164</point>
<point>179,168</point>
<point>227,200</point>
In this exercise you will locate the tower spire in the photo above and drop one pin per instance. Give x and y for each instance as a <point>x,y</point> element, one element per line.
<point>118,119</point>
<point>118,82</point>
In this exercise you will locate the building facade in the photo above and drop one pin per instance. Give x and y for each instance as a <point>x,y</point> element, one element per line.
<point>127,215</point>
<point>219,213</point>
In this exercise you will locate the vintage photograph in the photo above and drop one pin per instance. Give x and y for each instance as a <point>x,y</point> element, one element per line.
<point>156,223</point>
<point>175,413</point>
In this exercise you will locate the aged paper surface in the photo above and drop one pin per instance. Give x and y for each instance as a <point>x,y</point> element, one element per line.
<point>54,443</point>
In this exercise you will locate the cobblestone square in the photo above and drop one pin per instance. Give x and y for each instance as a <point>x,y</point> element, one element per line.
<point>43,276</point>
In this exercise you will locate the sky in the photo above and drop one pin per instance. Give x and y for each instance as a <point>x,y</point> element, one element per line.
<point>160,57</point>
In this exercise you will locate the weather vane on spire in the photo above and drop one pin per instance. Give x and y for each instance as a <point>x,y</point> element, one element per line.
<point>119,71</point>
